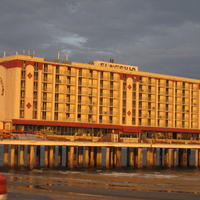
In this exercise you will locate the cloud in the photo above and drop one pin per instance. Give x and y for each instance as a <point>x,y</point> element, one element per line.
<point>158,36</point>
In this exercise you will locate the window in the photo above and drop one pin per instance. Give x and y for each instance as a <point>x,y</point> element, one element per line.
<point>91,73</point>
<point>44,115</point>
<point>34,95</point>
<point>101,101</point>
<point>45,68</point>
<point>124,86</point>
<point>100,119</point>
<point>111,111</point>
<point>23,74</point>
<point>55,116</point>
<point>123,120</point>
<point>57,79</point>
<point>21,113</point>
<point>124,103</point>
<point>34,114</point>
<point>124,94</point>
<point>56,97</point>
<point>56,106</point>
<point>79,108</point>
<point>22,84</point>
<point>101,83</point>
<point>79,99</point>
<point>124,77</point>
<point>36,66</point>
<point>44,106</point>
<point>101,110</point>
<point>57,69</point>
<point>44,96</point>
<point>45,77</point>
<point>22,94</point>
<point>134,87</point>
<point>56,88</point>
<point>23,64</point>
<point>111,85</point>
<point>111,93</point>
<point>124,111</point>
<point>101,75</point>
<point>80,72</point>
<point>110,119</point>
<point>22,104</point>
<point>101,92</point>
<point>111,102</point>
<point>35,87</point>
<point>80,81</point>
<point>34,104</point>
<point>35,76</point>
<point>111,76</point>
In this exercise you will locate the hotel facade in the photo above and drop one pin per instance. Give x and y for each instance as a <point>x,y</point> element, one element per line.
<point>95,98</point>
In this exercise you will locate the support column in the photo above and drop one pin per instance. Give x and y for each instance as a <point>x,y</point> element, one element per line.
<point>111,157</point>
<point>51,157</point>
<point>196,157</point>
<point>87,156</point>
<point>16,156</point>
<point>91,157</point>
<point>21,156</point>
<point>136,157</point>
<point>149,157</point>
<point>184,157</point>
<point>107,157</point>
<point>60,156</point>
<point>175,154</point>
<point>180,158</point>
<point>99,157</point>
<point>188,152</point>
<point>67,156</point>
<point>118,157</point>
<point>71,157</point>
<point>74,157</point>
<point>46,156</point>
<point>131,157</point>
<point>161,157</point>
<point>38,155</point>
<point>114,157</point>
<point>169,158</point>
<point>154,157</point>
<point>12,156</point>
<point>80,156</point>
<point>31,156</point>
<point>140,158</point>
<point>166,157</point>
<point>5,157</point>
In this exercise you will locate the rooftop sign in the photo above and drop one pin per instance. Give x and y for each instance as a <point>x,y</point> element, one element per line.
<point>116,66</point>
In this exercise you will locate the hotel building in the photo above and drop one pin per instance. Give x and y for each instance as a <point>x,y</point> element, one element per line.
<point>98,97</point>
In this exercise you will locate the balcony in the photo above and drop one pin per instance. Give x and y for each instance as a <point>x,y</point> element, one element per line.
<point>47,98</point>
<point>48,80</point>
<point>46,108</point>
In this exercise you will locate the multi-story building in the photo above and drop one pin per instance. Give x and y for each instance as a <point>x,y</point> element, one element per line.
<point>98,97</point>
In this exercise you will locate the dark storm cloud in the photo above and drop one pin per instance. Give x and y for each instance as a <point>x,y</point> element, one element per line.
<point>157,35</point>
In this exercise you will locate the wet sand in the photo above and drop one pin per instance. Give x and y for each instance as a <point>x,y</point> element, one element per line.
<point>75,185</point>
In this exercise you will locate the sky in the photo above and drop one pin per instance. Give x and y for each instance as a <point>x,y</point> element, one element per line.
<point>159,36</point>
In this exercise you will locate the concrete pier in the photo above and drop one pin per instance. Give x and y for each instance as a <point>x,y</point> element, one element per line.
<point>70,157</point>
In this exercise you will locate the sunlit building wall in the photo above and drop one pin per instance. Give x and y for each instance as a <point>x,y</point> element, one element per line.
<point>35,92</point>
